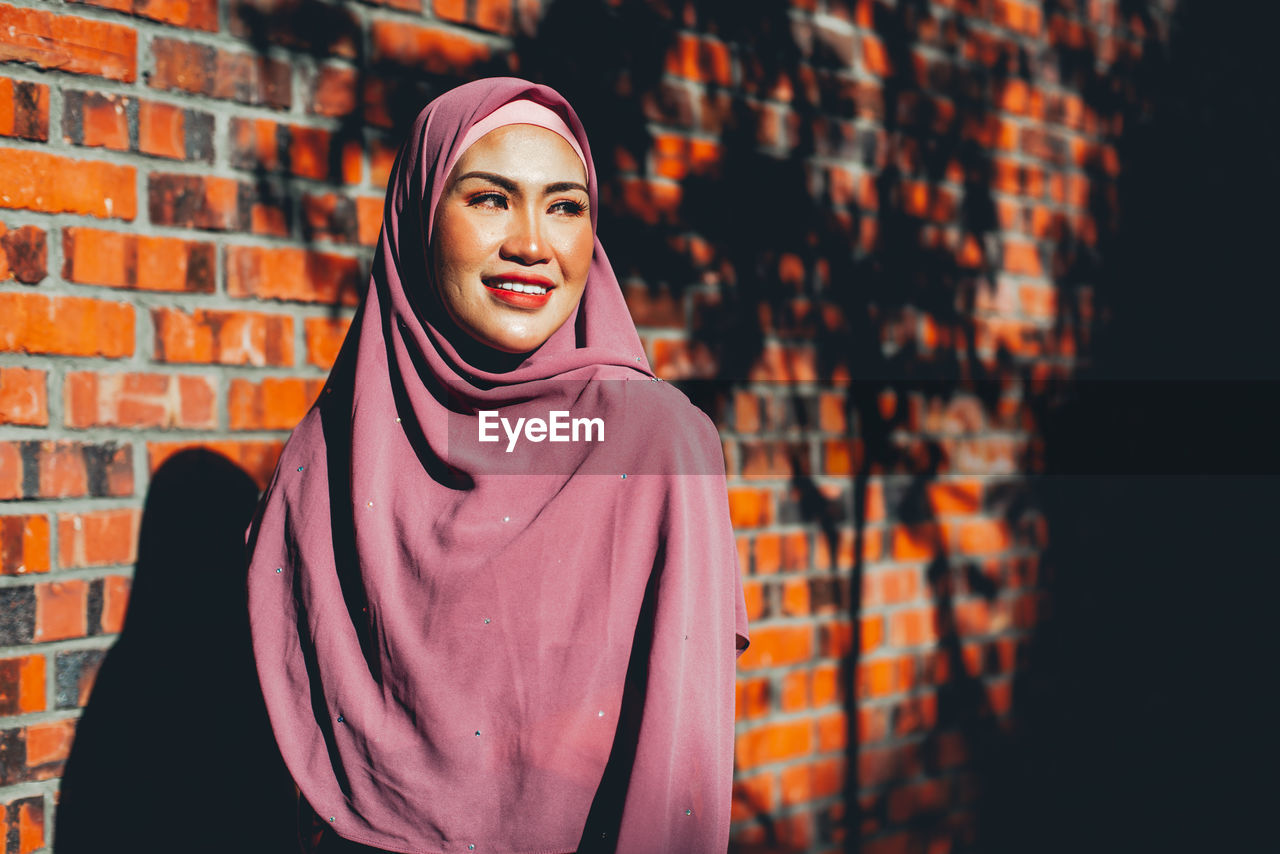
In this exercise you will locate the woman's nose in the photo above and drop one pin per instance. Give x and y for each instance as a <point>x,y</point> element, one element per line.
<point>525,241</point>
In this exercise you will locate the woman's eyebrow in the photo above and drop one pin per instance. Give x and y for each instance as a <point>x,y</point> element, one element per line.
<point>511,186</point>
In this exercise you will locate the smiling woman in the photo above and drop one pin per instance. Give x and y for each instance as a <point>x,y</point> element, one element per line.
<point>458,658</point>
<point>513,238</point>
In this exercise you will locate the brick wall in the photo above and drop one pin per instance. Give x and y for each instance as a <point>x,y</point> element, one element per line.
<point>862,235</point>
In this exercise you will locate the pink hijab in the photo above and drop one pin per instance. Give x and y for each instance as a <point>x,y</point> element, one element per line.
<point>464,649</point>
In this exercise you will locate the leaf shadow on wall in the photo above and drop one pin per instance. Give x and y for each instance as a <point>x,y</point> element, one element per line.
<point>174,751</point>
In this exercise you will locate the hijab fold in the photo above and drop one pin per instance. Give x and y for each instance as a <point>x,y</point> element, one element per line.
<point>467,649</point>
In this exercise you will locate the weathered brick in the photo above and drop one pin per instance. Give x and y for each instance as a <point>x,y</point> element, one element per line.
<point>122,260</point>
<point>96,120</point>
<point>74,674</point>
<point>34,180</point>
<point>194,201</point>
<point>138,400</point>
<point>257,458</point>
<point>98,538</point>
<point>67,43</point>
<point>204,70</point>
<point>293,274</point>
<point>24,109</point>
<point>115,603</point>
<point>223,337</point>
<point>23,397</point>
<point>273,404</point>
<point>24,544</point>
<point>23,818</point>
<point>23,254</point>
<point>66,326</point>
<point>333,92</point>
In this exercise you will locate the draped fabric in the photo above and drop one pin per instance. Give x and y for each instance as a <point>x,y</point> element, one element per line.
<point>468,648</point>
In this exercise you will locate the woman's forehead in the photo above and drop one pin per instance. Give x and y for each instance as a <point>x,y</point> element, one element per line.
<point>523,153</point>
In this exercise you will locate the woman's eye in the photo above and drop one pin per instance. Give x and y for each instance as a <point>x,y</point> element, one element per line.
<point>488,200</point>
<point>569,207</point>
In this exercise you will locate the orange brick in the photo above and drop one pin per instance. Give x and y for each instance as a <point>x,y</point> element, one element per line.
<point>115,602</point>
<point>100,538</point>
<point>115,259</point>
<point>23,397</point>
<point>912,628</point>
<point>194,14</point>
<point>162,130</point>
<point>833,732</point>
<point>104,122</point>
<point>324,337</point>
<point>775,646</point>
<point>205,70</point>
<point>68,326</point>
<point>138,400</point>
<point>42,182</point>
<point>24,544</point>
<point>68,44</point>
<point>794,695</point>
<point>752,698</point>
<point>750,508</point>
<point>49,742</point>
<point>752,796</point>
<point>293,274</point>
<point>984,537</point>
<point>827,687</point>
<point>334,92</point>
<point>61,610</point>
<point>753,595</point>
<point>774,742</point>
<point>223,337</point>
<point>273,404</point>
<point>916,542</point>
<point>795,598</point>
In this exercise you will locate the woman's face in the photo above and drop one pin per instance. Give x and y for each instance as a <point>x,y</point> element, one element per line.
<point>512,239</point>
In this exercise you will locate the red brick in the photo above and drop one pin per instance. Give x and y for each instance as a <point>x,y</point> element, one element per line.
<point>193,14</point>
<point>204,70</point>
<point>795,784</point>
<point>138,400</point>
<point>24,544</point>
<point>42,182</point>
<point>23,254</point>
<point>753,596</point>
<point>324,338</point>
<point>11,476</point>
<point>430,50</point>
<point>195,201</point>
<point>162,130</point>
<point>22,685</point>
<point>61,611</point>
<point>256,458</point>
<point>49,742</point>
<point>752,698</point>
<point>309,152</point>
<point>115,602</point>
<point>776,646</point>
<point>912,628</point>
<point>916,542</point>
<point>65,326</point>
<point>23,397</point>
<point>68,44</point>
<point>24,109</point>
<point>750,508</point>
<point>100,538</point>
<point>826,686</point>
<point>142,262</point>
<point>293,274</point>
<point>795,598</point>
<point>494,15</point>
<point>273,404</point>
<point>254,144</point>
<point>774,742</point>
<point>103,122</point>
<point>333,92</point>
<point>223,337</point>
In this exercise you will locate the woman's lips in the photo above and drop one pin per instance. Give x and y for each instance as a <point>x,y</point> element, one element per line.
<point>516,290</point>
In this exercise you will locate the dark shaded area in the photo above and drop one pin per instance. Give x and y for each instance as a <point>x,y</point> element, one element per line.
<point>1145,725</point>
<point>174,751</point>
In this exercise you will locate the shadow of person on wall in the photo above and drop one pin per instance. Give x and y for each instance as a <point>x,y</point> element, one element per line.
<point>174,751</point>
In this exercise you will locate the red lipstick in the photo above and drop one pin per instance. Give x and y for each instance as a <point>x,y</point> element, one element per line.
<point>519,300</point>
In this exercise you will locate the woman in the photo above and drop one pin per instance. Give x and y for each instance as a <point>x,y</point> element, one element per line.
<point>472,635</point>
